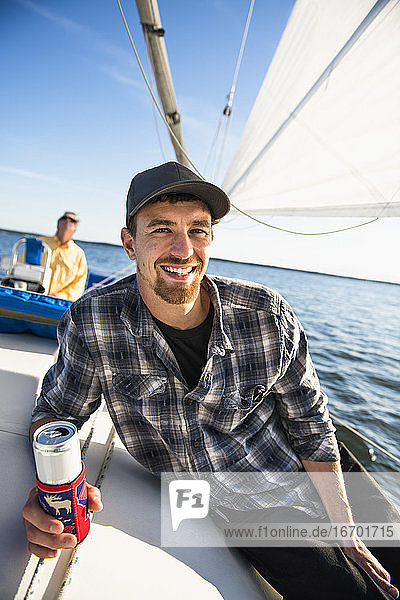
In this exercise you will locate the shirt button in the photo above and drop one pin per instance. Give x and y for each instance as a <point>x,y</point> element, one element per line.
<point>196,444</point>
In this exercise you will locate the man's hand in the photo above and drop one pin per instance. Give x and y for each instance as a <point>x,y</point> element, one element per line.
<point>328,481</point>
<point>359,553</point>
<point>44,532</point>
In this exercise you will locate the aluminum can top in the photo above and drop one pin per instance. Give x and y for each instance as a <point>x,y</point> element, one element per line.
<point>57,453</point>
<point>55,437</point>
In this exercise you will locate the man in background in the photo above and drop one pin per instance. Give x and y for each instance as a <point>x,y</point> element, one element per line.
<point>68,260</point>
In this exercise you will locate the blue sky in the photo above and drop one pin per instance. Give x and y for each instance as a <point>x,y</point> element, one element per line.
<point>76,119</point>
<point>76,122</point>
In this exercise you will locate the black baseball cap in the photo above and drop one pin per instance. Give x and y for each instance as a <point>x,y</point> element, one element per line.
<point>172,177</point>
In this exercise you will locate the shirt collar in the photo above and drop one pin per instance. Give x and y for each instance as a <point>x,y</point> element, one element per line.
<point>137,317</point>
<point>220,334</point>
<point>66,245</point>
<point>135,314</point>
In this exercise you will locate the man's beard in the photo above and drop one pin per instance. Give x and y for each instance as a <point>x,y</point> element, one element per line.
<point>179,293</point>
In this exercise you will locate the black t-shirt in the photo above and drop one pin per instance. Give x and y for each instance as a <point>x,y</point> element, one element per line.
<point>189,346</point>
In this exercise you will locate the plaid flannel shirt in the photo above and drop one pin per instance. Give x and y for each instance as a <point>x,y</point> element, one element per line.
<point>257,406</point>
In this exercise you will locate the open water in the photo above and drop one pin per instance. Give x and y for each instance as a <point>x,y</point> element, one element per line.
<point>354,335</point>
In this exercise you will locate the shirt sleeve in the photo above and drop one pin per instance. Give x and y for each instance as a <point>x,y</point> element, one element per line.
<point>301,403</point>
<point>71,389</point>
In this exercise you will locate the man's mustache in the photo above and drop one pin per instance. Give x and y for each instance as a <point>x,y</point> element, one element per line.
<point>179,262</point>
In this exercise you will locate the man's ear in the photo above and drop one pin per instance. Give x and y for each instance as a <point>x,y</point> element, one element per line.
<point>128,242</point>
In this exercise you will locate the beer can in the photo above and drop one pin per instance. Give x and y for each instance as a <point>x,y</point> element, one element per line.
<point>60,476</point>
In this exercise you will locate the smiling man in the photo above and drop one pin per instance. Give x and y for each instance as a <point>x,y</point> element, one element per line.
<point>171,271</point>
<point>204,373</point>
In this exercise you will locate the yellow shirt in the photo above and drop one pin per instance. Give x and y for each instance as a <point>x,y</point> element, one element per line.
<point>69,269</point>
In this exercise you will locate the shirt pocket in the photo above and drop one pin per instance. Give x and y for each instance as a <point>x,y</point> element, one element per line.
<point>238,406</point>
<point>144,394</point>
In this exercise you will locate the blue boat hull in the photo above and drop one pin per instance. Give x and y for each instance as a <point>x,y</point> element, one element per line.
<point>22,311</point>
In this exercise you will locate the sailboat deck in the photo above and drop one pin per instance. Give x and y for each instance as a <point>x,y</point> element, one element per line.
<point>121,552</point>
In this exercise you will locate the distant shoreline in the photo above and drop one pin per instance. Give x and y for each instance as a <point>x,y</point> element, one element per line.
<point>75,239</point>
<point>228,260</point>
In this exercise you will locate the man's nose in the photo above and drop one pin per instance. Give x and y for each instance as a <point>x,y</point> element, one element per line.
<point>182,246</point>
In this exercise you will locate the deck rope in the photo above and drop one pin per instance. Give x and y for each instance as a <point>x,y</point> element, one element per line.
<point>109,277</point>
<point>74,560</point>
<point>35,580</point>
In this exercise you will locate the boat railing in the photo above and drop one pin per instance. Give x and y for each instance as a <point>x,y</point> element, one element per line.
<point>29,267</point>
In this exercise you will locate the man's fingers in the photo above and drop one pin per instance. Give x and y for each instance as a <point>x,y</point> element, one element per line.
<point>44,532</point>
<point>366,560</point>
<point>94,498</point>
<point>33,513</point>
<point>384,582</point>
<point>49,540</point>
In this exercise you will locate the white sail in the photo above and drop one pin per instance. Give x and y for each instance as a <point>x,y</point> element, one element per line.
<point>323,138</point>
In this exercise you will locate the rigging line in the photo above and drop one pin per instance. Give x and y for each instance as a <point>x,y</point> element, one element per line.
<point>363,437</point>
<point>106,279</point>
<point>152,93</point>
<point>227,110</point>
<point>240,56</point>
<point>159,135</point>
<point>239,227</point>
<point>213,144</point>
<point>379,216</point>
<point>154,114</point>
<point>373,13</point>
<point>389,202</point>
<point>228,123</point>
<point>302,232</point>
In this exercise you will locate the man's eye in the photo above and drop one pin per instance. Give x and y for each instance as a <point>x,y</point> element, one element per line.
<point>161,230</point>
<point>199,231</point>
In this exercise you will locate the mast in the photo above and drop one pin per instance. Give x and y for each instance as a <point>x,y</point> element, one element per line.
<point>154,35</point>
